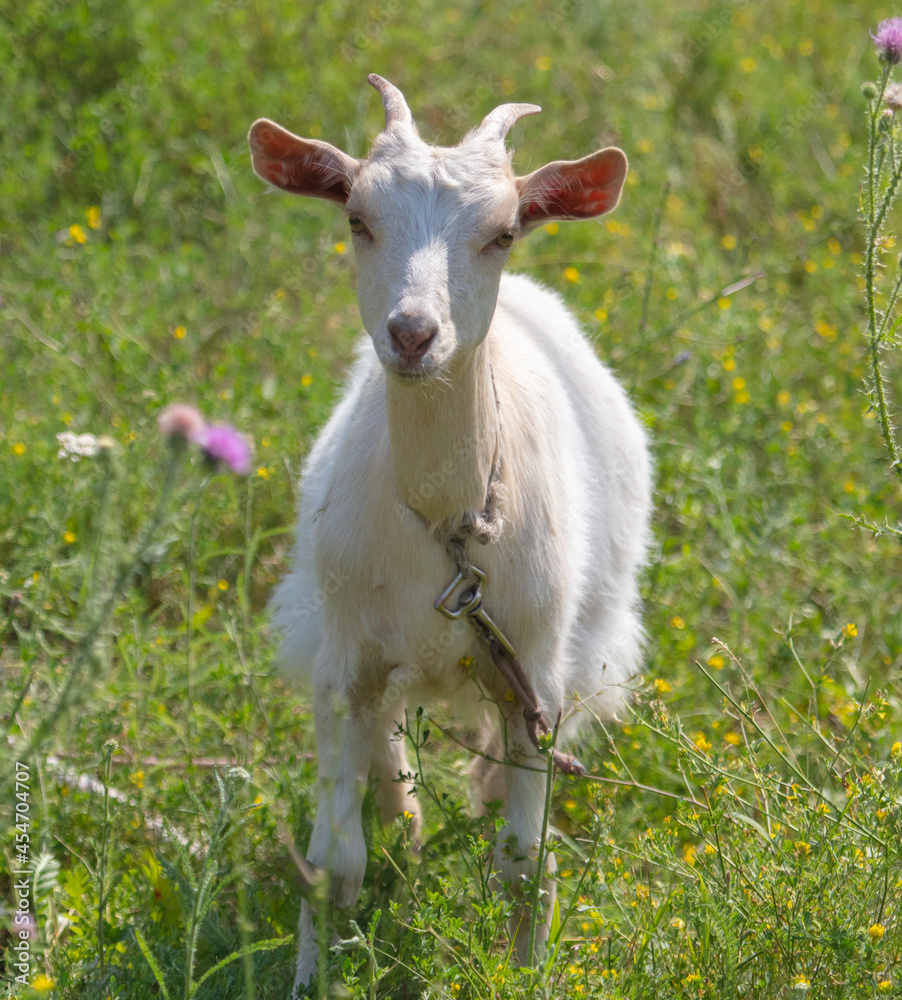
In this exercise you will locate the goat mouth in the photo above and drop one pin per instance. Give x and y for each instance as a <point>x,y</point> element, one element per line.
<point>415,370</point>
<point>413,374</point>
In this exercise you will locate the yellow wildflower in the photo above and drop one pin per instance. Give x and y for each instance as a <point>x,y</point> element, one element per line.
<point>728,242</point>
<point>896,750</point>
<point>263,472</point>
<point>69,537</point>
<point>543,64</point>
<point>677,622</point>
<point>850,629</point>
<point>19,448</point>
<point>716,661</point>
<point>723,302</point>
<point>92,214</point>
<point>42,983</point>
<point>702,742</point>
<point>875,932</point>
<point>571,274</point>
<point>662,686</point>
<point>179,333</point>
<point>223,584</point>
<point>77,233</point>
<point>306,380</point>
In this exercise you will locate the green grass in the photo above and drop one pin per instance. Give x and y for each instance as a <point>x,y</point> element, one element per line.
<point>753,837</point>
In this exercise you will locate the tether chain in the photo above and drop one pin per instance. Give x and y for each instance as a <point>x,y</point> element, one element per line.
<point>503,655</point>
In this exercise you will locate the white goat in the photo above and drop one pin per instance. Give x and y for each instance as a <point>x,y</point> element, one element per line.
<point>478,409</point>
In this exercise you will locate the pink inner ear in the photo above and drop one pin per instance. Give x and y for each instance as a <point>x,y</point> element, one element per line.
<point>579,189</point>
<point>588,190</point>
<point>301,166</point>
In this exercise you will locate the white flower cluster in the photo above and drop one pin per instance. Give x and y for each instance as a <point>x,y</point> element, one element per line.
<point>77,446</point>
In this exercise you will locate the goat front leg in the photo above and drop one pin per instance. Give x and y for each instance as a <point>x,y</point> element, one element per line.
<point>517,855</point>
<point>344,741</point>
<point>394,793</point>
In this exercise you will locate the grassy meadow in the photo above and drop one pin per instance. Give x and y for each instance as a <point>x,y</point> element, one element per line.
<point>740,835</point>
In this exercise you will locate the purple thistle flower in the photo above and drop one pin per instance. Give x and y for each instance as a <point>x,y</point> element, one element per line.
<point>888,40</point>
<point>221,443</point>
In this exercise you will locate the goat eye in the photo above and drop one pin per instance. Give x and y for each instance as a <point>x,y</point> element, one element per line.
<point>357,225</point>
<point>505,239</point>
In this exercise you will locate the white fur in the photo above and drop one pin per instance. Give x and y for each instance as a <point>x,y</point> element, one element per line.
<point>406,454</point>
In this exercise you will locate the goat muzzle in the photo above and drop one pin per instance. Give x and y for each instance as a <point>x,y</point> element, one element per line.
<point>412,334</point>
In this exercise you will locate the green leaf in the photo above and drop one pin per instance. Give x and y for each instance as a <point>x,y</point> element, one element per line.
<point>268,945</point>
<point>555,928</point>
<point>152,962</point>
<point>76,883</point>
<point>202,615</point>
<point>46,873</point>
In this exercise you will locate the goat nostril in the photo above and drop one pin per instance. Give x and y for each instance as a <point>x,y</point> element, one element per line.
<point>412,333</point>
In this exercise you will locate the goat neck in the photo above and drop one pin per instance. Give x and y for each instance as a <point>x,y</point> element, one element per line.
<point>444,437</point>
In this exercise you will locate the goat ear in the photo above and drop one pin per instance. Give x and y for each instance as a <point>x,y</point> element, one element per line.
<point>300,166</point>
<point>572,189</point>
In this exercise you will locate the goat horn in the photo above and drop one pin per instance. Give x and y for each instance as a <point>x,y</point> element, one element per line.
<point>498,123</point>
<point>396,110</point>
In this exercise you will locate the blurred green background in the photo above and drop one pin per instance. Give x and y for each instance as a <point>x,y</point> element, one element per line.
<point>183,279</point>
